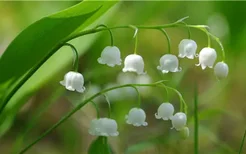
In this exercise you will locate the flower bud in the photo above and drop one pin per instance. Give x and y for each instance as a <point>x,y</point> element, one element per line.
<point>221,70</point>
<point>184,132</point>
<point>187,48</point>
<point>73,81</point>
<point>110,56</point>
<point>134,63</point>
<point>165,111</point>
<point>207,57</point>
<point>136,117</point>
<point>169,63</point>
<point>179,120</point>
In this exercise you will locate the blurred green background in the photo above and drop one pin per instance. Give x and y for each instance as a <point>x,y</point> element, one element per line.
<point>222,107</point>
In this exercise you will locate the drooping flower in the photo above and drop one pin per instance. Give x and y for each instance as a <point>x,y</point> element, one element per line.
<point>73,81</point>
<point>103,127</point>
<point>187,48</point>
<point>169,63</point>
<point>179,120</point>
<point>136,117</point>
<point>221,70</point>
<point>165,111</point>
<point>207,57</point>
<point>185,132</point>
<point>134,63</point>
<point>110,56</point>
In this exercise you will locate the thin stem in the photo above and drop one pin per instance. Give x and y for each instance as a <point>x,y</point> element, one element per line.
<point>76,57</point>
<point>110,33</point>
<point>196,121</point>
<point>168,39</point>
<point>69,114</point>
<point>136,44</point>
<point>204,29</point>
<point>109,106</point>
<point>97,109</point>
<point>188,28</point>
<point>220,44</point>
<point>183,105</point>
<point>139,96</point>
<point>242,143</point>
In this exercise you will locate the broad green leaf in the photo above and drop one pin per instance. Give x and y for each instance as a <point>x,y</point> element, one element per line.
<point>53,65</point>
<point>32,47</point>
<point>100,145</point>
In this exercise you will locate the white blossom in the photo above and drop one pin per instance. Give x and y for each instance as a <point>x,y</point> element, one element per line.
<point>207,57</point>
<point>103,127</point>
<point>134,63</point>
<point>165,111</point>
<point>110,56</point>
<point>187,48</point>
<point>179,120</point>
<point>221,70</point>
<point>136,117</point>
<point>169,63</point>
<point>73,81</point>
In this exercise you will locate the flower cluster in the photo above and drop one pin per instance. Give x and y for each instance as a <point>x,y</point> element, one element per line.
<point>111,56</point>
<point>168,62</point>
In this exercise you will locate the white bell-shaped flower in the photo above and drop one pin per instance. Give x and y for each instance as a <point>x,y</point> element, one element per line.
<point>221,70</point>
<point>179,120</point>
<point>207,57</point>
<point>73,81</point>
<point>187,48</point>
<point>134,63</point>
<point>94,127</point>
<point>185,132</point>
<point>110,56</point>
<point>103,127</point>
<point>165,111</point>
<point>169,63</point>
<point>136,117</point>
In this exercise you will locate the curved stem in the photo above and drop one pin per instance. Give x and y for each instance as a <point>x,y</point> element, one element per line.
<point>139,96</point>
<point>110,33</point>
<point>69,114</point>
<point>188,28</point>
<point>136,44</point>
<point>97,109</point>
<point>168,39</point>
<point>109,106</point>
<point>242,143</point>
<point>183,105</point>
<point>76,57</point>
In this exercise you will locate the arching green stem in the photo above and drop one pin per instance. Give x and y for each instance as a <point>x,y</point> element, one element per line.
<point>76,57</point>
<point>168,39</point>
<point>109,105</point>
<point>79,106</point>
<point>110,33</point>
<point>188,29</point>
<point>97,109</point>
<point>183,105</point>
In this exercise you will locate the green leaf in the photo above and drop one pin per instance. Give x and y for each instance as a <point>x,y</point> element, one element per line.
<point>100,145</point>
<point>38,42</point>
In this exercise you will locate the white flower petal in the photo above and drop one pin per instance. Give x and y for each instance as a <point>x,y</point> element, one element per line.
<point>179,120</point>
<point>221,70</point>
<point>168,63</point>
<point>165,111</point>
<point>110,56</point>
<point>136,117</point>
<point>73,81</point>
<point>134,63</point>
<point>207,57</point>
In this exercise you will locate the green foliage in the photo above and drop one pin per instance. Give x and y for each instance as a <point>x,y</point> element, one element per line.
<point>100,145</point>
<point>31,49</point>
